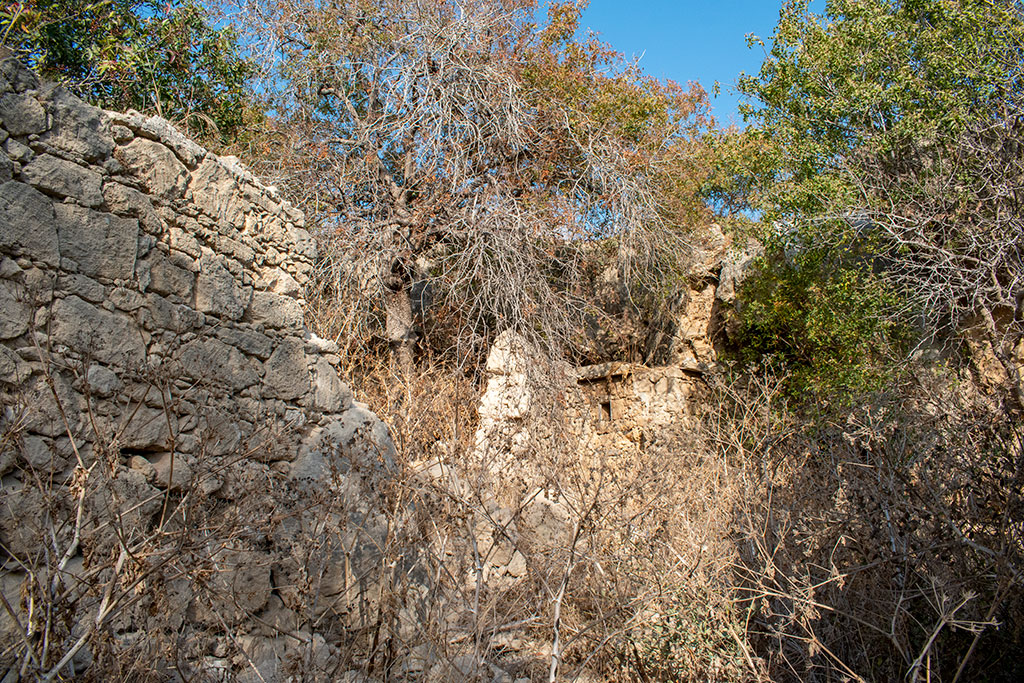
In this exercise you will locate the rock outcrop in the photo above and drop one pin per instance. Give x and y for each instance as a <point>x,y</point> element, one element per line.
<point>156,376</point>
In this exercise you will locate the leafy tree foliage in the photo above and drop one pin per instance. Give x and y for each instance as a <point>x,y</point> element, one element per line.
<point>892,129</point>
<point>163,57</point>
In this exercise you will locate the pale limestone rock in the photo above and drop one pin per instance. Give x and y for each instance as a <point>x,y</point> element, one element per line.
<point>65,179</point>
<point>102,382</point>
<point>77,128</point>
<point>330,394</point>
<point>286,372</point>
<point>21,114</point>
<point>111,338</point>
<point>103,245</point>
<point>217,291</point>
<point>275,310</point>
<point>168,278</point>
<point>213,361</point>
<point>27,225</point>
<point>15,312</point>
<point>155,167</point>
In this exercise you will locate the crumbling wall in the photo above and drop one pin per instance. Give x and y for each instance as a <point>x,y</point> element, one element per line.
<point>151,336</point>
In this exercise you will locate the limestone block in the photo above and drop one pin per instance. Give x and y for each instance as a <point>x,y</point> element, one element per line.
<point>286,373</point>
<point>155,167</point>
<point>15,313</point>
<point>79,129</point>
<point>22,114</point>
<point>330,394</point>
<point>240,252</point>
<point>145,428</point>
<point>108,337</point>
<point>214,361</point>
<point>167,278</point>
<point>216,193</point>
<point>280,282</point>
<point>249,341</point>
<point>275,310</point>
<point>161,314</point>
<point>169,471</point>
<point>187,150</point>
<point>103,245</point>
<point>65,179</point>
<point>239,587</point>
<point>126,201</point>
<point>82,286</point>
<point>102,382</point>
<point>15,77</point>
<point>27,224</point>
<point>358,439</point>
<point>217,291</point>
<point>45,412</point>
<point>13,370</point>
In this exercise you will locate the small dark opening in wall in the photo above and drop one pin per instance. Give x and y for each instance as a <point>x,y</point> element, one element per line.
<point>606,410</point>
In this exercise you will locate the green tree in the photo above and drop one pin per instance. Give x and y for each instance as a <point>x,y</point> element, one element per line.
<point>892,135</point>
<point>163,57</point>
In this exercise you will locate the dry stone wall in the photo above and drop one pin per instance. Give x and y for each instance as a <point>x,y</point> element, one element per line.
<point>132,256</point>
<point>153,363</point>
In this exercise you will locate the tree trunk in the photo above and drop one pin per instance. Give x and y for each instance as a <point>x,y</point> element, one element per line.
<point>398,328</point>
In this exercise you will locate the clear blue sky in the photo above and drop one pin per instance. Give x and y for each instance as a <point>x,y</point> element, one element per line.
<point>689,40</point>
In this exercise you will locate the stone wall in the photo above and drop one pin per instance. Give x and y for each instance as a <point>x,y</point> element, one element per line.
<point>151,321</point>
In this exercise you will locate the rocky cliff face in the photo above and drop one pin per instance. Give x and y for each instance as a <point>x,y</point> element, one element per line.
<point>153,366</point>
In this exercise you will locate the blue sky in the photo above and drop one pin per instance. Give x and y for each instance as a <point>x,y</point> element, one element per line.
<point>689,40</point>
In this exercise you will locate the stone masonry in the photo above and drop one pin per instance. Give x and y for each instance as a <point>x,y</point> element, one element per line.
<point>151,319</point>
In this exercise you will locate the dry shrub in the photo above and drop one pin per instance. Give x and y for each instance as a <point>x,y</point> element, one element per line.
<point>879,544</point>
<point>626,580</point>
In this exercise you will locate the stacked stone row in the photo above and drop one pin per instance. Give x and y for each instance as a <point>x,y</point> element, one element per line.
<point>141,272</point>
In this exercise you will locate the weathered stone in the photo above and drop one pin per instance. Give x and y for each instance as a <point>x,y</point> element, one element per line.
<point>108,337</point>
<point>220,433</point>
<point>274,310</point>
<point>79,129</point>
<point>27,224</point>
<point>37,454</point>
<point>82,286</point>
<point>13,370</point>
<point>184,242</point>
<point>330,394</point>
<point>216,193</point>
<point>169,279</point>
<point>218,293</point>
<point>280,282</point>
<point>22,114</point>
<point>235,249</point>
<point>6,168</point>
<point>155,167</point>
<point>161,314</point>
<point>15,313</point>
<point>286,373</point>
<point>65,179</point>
<point>358,439</point>
<point>101,244</point>
<point>126,299</point>
<point>249,341</point>
<point>49,414</point>
<point>18,77</point>
<point>214,361</point>
<point>301,242</point>
<point>170,471</point>
<point>239,589</point>
<point>101,381</point>
<point>129,202</point>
